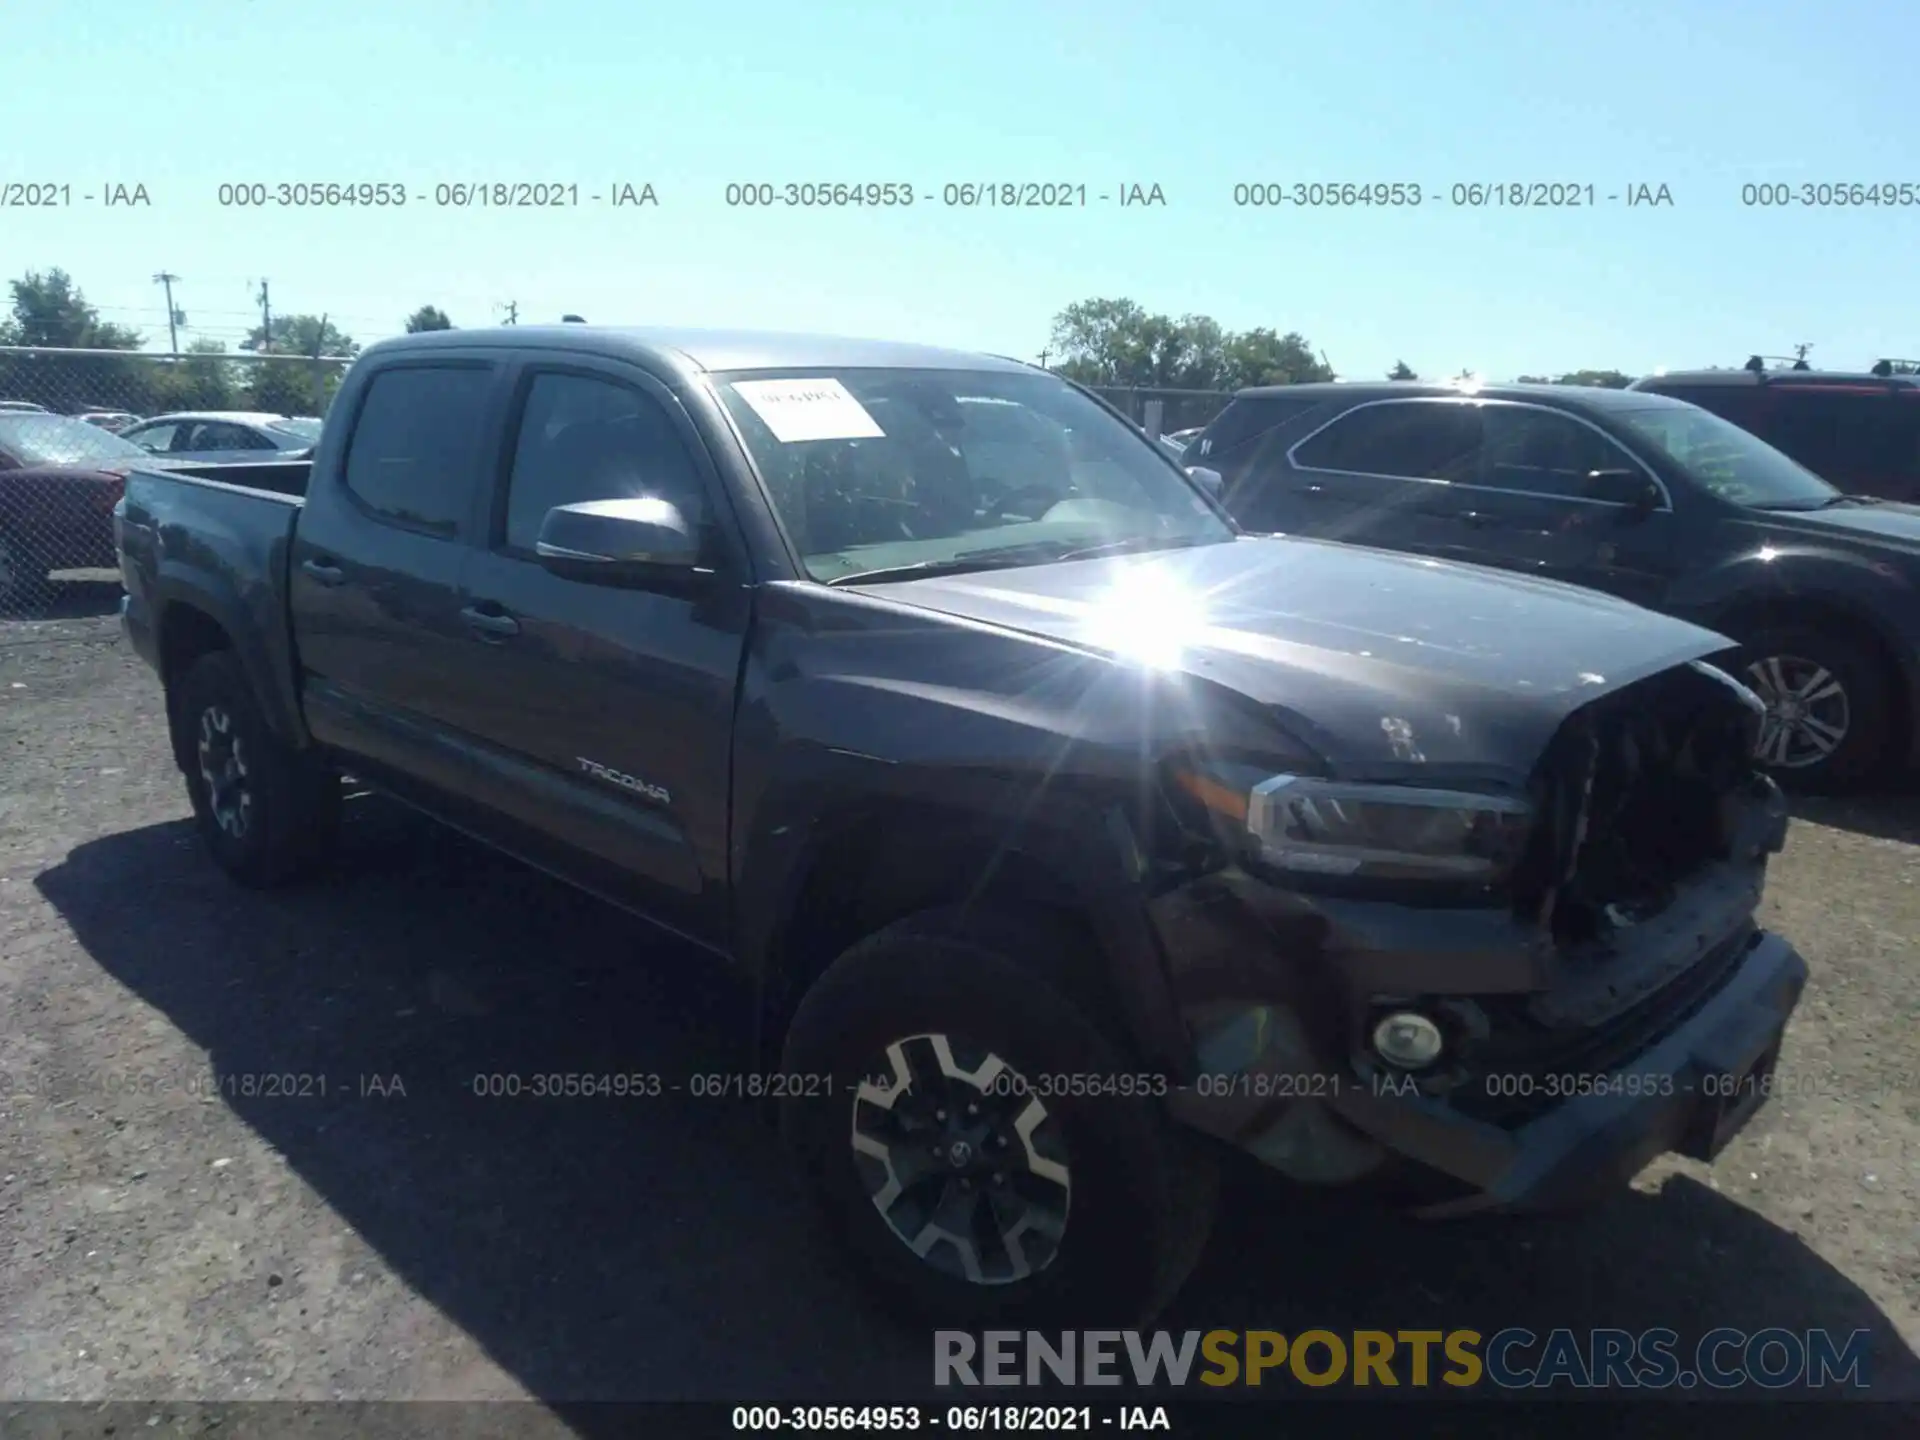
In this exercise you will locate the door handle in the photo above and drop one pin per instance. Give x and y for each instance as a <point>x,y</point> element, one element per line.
<point>1479,519</point>
<point>494,624</point>
<point>324,571</point>
<point>1314,492</point>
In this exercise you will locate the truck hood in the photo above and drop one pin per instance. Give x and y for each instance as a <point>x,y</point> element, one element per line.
<point>1381,662</point>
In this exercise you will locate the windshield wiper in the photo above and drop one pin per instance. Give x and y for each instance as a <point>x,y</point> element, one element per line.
<point>1827,504</point>
<point>1139,542</point>
<point>1006,557</point>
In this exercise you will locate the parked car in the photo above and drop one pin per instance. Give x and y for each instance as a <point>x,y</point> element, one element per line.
<point>1184,438</point>
<point>25,407</point>
<point>1643,496</point>
<point>59,480</point>
<point>115,421</point>
<point>1064,831</point>
<point>1859,432</point>
<point>226,437</point>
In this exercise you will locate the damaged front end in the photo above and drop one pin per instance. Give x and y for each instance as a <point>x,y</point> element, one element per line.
<point>1598,1001</point>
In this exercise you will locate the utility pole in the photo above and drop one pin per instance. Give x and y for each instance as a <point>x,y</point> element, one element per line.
<point>166,280</point>
<point>266,321</point>
<point>1043,357</point>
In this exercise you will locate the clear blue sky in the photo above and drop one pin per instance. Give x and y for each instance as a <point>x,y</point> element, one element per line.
<point>1701,95</point>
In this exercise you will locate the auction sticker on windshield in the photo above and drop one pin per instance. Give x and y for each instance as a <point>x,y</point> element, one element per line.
<point>808,410</point>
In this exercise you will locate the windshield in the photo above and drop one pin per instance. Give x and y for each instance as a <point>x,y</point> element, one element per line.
<point>1733,464</point>
<point>299,428</point>
<point>62,440</point>
<point>875,470</point>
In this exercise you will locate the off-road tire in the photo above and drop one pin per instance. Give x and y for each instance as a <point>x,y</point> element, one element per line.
<point>293,807</point>
<point>1143,1192</point>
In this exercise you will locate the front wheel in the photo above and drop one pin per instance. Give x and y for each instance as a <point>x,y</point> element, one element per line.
<point>977,1152</point>
<point>1830,704</point>
<point>266,811</point>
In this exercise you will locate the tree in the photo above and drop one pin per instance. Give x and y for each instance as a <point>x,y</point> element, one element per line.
<point>428,317</point>
<point>308,335</point>
<point>1401,371</point>
<point>202,381</point>
<point>1261,357</point>
<point>1119,343</point>
<point>48,309</point>
<point>1606,379</point>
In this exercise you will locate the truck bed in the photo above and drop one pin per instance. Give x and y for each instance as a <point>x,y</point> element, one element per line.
<point>284,478</point>
<point>219,537</point>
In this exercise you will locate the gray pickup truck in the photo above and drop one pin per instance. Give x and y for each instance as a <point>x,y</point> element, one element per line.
<point>1067,833</point>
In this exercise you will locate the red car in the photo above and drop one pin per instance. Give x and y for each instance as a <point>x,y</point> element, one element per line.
<point>59,481</point>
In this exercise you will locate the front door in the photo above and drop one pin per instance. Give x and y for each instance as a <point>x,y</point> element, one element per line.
<point>1544,501</point>
<point>604,716</point>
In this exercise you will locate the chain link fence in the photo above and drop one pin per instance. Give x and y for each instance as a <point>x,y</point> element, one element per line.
<point>1178,409</point>
<point>72,424</point>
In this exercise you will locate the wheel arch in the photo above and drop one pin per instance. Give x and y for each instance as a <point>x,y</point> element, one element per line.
<point>883,861</point>
<point>1751,615</point>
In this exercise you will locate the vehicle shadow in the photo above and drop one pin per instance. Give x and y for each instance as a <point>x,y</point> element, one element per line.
<point>1890,812</point>
<point>655,1248</point>
<point>67,599</point>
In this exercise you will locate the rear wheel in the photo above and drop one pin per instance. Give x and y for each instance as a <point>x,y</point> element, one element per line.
<point>951,1151</point>
<point>1830,704</point>
<point>266,811</point>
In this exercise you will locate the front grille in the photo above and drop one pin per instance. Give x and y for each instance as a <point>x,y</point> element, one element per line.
<point>1635,793</point>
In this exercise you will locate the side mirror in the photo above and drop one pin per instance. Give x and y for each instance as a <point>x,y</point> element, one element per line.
<point>1211,481</point>
<point>1631,488</point>
<point>631,543</point>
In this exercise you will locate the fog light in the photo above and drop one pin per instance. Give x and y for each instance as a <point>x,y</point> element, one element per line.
<point>1408,1039</point>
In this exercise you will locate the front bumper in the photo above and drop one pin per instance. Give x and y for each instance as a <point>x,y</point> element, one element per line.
<point>1688,1092</point>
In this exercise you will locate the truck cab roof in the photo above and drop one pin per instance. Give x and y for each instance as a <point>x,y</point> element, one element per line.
<point>702,351</point>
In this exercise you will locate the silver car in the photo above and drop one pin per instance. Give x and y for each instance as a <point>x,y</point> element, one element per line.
<point>221,437</point>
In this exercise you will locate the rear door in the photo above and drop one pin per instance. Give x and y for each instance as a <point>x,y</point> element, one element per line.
<point>1375,475</point>
<point>376,561</point>
<point>604,716</point>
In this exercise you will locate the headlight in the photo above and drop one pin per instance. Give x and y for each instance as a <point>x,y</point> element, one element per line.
<point>1325,827</point>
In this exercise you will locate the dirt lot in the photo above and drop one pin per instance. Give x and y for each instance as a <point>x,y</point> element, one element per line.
<point>398,1236</point>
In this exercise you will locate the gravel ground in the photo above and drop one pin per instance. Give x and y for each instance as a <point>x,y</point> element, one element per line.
<point>399,1237</point>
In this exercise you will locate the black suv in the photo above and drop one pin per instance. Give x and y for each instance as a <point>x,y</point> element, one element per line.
<point>1861,432</point>
<point>1638,494</point>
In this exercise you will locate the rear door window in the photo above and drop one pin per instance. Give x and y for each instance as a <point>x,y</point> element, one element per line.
<point>415,445</point>
<point>1249,418</point>
<point>1410,439</point>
